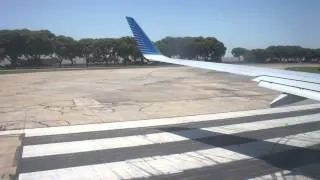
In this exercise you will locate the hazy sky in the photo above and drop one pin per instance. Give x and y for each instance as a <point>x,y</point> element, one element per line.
<point>245,23</point>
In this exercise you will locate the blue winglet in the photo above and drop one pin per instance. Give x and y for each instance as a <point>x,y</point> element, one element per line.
<point>144,43</point>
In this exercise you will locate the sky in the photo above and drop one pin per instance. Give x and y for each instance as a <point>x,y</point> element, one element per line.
<point>237,23</point>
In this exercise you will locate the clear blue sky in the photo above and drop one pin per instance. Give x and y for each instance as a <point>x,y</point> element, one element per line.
<point>245,23</point>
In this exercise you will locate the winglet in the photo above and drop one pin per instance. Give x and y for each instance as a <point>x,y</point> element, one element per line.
<point>145,45</point>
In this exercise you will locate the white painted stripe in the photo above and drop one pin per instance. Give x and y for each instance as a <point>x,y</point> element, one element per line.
<point>98,144</point>
<point>294,174</point>
<point>157,122</point>
<point>168,164</point>
<point>282,175</point>
<point>157,138</point>
<point>299,140</point>
<point>10,132</point>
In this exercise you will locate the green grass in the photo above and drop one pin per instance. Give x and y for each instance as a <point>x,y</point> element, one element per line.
<point>305,69</point>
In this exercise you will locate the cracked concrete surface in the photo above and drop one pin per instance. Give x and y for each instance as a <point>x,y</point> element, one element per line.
<point>46,99</point>
<point>9,154</point>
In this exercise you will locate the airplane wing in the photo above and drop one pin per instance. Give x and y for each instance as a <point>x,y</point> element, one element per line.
<point>295,86</point>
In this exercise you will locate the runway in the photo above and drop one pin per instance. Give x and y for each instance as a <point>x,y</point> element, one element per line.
<point>275,143</point>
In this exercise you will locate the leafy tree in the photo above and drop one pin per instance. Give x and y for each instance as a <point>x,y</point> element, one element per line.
<point>127,49</point>
<point>74,50</point>
<point>38,43</point>
<point>13,43</point>
<point>104,50</point>
<point>86,46</point>
<point>238,52</point>
<point>2,54</point>
<point>64,48</point>
<point>287,53</point>
<point>317,54</point>
<point>208,49</point>
<point>312,55</point>
<point>168,46</point>
<point>260,55</point>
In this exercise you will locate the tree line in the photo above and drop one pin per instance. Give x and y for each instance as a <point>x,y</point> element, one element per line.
<point>277,54</point>
<point>28,48</point>
<point>198,48</point>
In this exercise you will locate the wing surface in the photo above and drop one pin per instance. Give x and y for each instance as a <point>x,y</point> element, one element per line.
<point>295,86</point>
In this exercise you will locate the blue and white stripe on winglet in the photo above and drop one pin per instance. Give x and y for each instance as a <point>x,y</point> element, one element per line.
<point>145,45</point>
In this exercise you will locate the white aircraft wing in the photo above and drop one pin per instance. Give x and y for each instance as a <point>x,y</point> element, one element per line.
<point>295,86</point>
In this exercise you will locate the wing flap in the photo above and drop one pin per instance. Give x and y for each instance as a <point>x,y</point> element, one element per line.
<point>285,99</point>
<point>289,82</point>
<point>310,94</point>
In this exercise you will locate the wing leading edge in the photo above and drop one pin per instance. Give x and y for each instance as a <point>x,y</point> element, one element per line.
<point>295,86</point>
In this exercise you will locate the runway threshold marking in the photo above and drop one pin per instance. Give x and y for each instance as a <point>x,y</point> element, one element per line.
<point>178,148</point>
